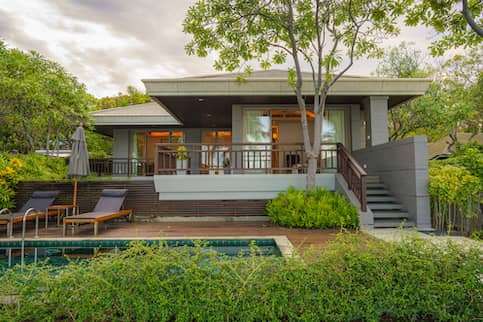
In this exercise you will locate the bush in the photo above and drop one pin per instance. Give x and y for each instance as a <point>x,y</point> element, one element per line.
<point>455,198</point>
<point>40,167</point>
<point>10,168</point>
<point>26,167</point>
<point>318,208</point>
<point>354,278</point>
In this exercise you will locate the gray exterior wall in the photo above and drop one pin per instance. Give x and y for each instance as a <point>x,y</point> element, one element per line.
<point>120,145</point>
<point>403,166</point>
<point>375,109</point>
<point>233,187</point>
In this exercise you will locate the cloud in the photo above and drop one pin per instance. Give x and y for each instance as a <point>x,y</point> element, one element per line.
<point>111,44</point>
<point>9,29</point>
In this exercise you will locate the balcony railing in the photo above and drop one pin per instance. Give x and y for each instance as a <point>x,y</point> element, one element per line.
<point>238,158</point>
<point>121,167</point>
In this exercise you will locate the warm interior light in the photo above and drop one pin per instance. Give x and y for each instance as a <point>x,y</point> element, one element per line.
<point>158,134</point>
<point>224,133</point>
<point>310,114</point>
<point>176,133</point>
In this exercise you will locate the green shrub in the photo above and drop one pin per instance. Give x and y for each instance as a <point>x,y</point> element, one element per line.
<point>10,168</point>
<point>318,208</point>
<point>14,168</point>
<point>40,167</point>
<point>354,278</point>
<point>455,198</point>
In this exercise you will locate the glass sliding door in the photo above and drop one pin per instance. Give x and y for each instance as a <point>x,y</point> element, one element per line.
<point>215,148</point>
<point>333,131</point>
<point>257,129</point>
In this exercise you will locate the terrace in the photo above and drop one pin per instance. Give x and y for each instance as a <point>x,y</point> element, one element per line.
<point>237,159</point>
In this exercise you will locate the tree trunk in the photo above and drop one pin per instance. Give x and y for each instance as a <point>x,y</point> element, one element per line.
<point>47,143</point>
<point>57,147</point>
<point>30,140</point>
<point>311,172</point>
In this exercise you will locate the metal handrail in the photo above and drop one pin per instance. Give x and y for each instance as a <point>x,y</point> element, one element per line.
<point>10,224</point>
<point>24,221</point>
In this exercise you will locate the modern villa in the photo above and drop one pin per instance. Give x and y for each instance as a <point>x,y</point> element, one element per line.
<point>215,138</point>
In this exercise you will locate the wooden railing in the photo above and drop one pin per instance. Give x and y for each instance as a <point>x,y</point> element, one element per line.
<point>238,158</point>
<point>353,174</point>
<point>121,167</point>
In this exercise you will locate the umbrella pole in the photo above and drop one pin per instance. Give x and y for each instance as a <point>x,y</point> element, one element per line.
<point>75,197</point>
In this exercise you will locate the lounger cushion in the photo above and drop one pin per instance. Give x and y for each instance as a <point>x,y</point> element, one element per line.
<point>115,193</point>
<point>44,194</point>
<point>40,200</point>
<point>111,200</point>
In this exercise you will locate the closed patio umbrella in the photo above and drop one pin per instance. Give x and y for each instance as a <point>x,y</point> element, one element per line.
<point>79,159</point>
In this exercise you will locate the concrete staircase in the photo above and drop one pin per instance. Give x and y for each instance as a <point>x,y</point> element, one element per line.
<point>388,213</point>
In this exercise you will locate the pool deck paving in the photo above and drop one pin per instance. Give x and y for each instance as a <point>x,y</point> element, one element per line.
<point>398,235</point>
<point>300,238</point>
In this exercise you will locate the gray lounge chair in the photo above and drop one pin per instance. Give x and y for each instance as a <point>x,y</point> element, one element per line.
<point>39,201</point>
<point>108,207</point>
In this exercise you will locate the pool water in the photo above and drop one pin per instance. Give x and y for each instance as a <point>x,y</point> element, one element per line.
<point>61,252</point>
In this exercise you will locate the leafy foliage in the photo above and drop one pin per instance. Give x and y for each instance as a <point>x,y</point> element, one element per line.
<point>14,168</point>
<point>455,187</point>
<point>453,103</point>
<point>133,96</point>
<point>9,177</point>
<point>445,18</point>
<point>318,208</point>
<point>39,100</point>
<point>354,278</point>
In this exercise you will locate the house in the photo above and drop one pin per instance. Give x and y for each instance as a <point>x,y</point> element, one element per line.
<point>217,138</point>
<point>439,149</point>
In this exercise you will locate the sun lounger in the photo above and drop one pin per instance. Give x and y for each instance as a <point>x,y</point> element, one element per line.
<point>39,201</point>
<point>108,207</point>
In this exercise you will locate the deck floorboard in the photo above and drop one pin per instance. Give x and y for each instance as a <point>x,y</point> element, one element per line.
<point>301,238</point>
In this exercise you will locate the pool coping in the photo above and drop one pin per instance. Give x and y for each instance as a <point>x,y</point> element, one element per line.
<point>283,243</point>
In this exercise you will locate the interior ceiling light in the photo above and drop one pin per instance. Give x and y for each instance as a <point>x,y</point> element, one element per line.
<point>201,99</point>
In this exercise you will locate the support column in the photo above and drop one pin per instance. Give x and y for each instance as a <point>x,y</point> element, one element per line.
<point>356,127</point>
<point>236,135</point>
<point>376,112</point>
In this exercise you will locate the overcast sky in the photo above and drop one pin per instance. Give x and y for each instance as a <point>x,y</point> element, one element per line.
<point>109,44</point>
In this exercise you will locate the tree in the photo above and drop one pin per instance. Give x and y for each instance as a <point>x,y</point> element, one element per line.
<point>319,33</point>
<point>445,17</point>
<point>404,61</point>
<point>37,98</point>
<point>453,103</point>
<point>133,96</point>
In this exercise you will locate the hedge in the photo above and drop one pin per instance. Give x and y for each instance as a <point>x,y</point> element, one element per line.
<point>354,278</point>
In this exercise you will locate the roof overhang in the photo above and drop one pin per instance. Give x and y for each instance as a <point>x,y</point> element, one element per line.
<point>280,87</point>
<point>207,102</point>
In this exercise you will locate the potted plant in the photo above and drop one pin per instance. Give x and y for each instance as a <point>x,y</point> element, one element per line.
<point>181,160</point>
<point>226,165</point>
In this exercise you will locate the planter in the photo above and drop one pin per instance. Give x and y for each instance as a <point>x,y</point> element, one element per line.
<point>181,166</point>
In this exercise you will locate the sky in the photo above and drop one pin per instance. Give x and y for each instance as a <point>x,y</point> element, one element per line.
<point>110,44</point>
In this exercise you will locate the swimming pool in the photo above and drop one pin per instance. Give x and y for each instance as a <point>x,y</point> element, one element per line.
<point>61,252</point>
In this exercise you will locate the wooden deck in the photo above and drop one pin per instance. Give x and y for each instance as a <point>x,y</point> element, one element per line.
<point>301,238</point>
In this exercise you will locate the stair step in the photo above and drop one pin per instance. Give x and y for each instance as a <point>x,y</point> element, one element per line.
<point>375,199</point>
<point>374,178</point>
<point>390,214</point>
<point>375,185</point>
<point>392,223</point>
<point>377,192</point>
<point>384,206</point>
